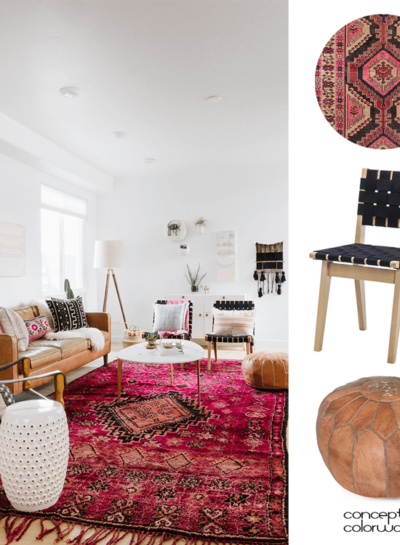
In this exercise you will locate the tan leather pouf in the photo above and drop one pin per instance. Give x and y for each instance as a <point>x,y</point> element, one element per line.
<point>359,437</point>
<point>266,371</point>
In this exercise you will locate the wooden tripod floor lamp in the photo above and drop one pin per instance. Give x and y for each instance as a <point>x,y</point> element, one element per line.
<point>110,255</point>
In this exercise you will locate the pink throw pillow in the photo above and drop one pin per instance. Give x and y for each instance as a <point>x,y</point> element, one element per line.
<point>37,328</point>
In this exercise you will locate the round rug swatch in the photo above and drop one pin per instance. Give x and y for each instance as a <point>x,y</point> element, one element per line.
<point>357,81</point>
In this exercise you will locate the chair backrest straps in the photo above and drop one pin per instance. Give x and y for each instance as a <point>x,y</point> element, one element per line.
<point>379,198</point>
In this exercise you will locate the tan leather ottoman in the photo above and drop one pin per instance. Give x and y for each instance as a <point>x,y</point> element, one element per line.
<point>266,371</point>
<point>359,438</point>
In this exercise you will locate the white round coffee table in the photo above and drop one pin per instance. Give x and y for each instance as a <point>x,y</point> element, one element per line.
<point>140,354</point>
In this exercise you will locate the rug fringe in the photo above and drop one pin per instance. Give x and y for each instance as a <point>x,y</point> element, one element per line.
<point>16,530</point>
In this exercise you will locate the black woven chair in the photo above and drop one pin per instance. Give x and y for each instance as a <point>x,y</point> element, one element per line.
<point>379,205</point>
<point>60,380</point>
<point>184,336</point>
<point>213,339</point>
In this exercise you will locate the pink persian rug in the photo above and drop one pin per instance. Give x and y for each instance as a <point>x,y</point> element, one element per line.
<point>156,464</point>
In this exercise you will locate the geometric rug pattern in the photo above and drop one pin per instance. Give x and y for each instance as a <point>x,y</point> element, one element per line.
<point>156,463</point>
<point>357,81</point>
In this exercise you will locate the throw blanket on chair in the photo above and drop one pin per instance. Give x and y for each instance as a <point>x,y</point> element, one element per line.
<point>94,335</point>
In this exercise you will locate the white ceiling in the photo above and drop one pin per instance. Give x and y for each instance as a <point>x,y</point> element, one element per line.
<point>146,67</point>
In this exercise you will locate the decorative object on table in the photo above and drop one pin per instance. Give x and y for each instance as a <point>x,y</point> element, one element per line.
<point>110,255</point>
<point>67,315</point>
<point>358,436</point>
<point>6,398</point>
<point>122,457</point>
<point>269,273</point>
<point>357,81</point>
<point>200,224</point>
<point>241,328</point>
<point>12,249</point>
<point>184,249</point>
<point>31,427</point>
<point>379,201</point>
<point>68,290</point>
<point>152,340</point>
<point>266,371</point>
<point>37,328</point>
<point>206,289</point>
<point>12,324</point>
<point>194,278</point>
<point>226,259</point>
<point>176,230</point>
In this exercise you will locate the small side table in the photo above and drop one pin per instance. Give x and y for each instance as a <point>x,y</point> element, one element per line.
<point>128,341</point>
<point>34,450</point>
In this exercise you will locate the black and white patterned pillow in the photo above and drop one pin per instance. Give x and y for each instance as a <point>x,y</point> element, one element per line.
<point>6,398</point>
<point>67,314</point>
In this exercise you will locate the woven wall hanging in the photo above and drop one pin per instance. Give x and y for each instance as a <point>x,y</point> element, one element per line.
<point>357,81</point>
<point>269,273</point>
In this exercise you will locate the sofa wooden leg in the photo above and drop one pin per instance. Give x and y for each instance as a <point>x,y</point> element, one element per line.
<point>105,358</point>
<point>209,356</point>
<point>215,351</point>
<point>59,385</point>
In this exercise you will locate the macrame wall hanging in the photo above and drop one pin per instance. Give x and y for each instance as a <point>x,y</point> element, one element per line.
<point>269,273</point>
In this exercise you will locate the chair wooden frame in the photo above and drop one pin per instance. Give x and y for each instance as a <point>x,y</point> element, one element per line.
<point>360,274</point>
<point>60,380</point>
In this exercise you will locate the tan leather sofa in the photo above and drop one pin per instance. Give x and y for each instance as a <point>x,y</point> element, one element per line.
<point>46,356</point>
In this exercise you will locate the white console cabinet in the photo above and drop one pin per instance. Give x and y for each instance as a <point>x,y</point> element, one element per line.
<point>202,310</point>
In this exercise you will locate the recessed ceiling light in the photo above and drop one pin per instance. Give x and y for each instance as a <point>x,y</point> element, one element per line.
<point>214,98</point>
<point>119,135</point>
<point>70,92</point>
<point>149,161</point>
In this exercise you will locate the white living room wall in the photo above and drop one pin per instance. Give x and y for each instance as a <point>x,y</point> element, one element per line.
<point>20,203</point>
<point>248,199</point>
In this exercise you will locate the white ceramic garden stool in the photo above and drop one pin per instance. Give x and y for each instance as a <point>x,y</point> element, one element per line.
<point>34,449</point>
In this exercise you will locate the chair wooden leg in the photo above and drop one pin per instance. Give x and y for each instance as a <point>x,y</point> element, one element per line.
<point>395,325</point>
<point>247,348</point>
<point>322,306</point>
<point>105,358</point>
<point>209,356</point>
<point>59,385</point>
<point>251,348</point>
<point>361,308</point>
<point>215,351</point>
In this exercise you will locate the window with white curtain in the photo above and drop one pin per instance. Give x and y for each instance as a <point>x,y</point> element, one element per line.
<point>63,219</point>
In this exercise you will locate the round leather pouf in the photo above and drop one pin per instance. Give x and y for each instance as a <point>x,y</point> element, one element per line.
<point>359,436</point>
<point>266,371</point>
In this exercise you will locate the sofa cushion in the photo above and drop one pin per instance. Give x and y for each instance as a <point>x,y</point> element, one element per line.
<point>27,313</point>
<point>41,355</point>
<point>68,347</point>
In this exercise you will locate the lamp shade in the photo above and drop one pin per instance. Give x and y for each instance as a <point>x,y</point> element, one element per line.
<point>109,254</point>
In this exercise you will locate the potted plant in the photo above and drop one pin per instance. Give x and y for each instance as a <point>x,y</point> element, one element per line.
<point>184,249</point>
<point>200,224</point>
<point>194,278</point>
<point>68,290</point>
<point>151,339</point>
<point>173,228</point>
